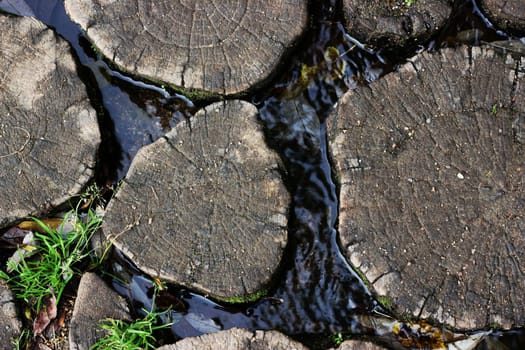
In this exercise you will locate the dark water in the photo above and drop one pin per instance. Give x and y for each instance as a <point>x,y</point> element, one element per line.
<point>316,293</point>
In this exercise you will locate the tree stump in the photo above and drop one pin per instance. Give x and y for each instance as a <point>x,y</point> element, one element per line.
<point>95,303</point>
<point>432,186</point>
<point>205,206</point>
<point>508,15</point>
<point>237,339</point>
<point>218,46</point>
<point>391,24</point>
<point>48,131</point>
<point>9,316</point>
<point>358,345</point>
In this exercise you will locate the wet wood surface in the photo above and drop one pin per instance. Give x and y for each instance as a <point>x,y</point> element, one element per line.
<point>429,160</point>
<point>11,324</point>
<point>217,46</point>
<point>508,15</point>
<point>48,131</point>
<point>393,24</point>
<point>238,339</point>
<point>432,178</point>
<point>205,206</point>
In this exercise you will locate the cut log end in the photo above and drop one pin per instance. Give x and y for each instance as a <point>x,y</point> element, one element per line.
<point>217,47</point>
<point>205,206</point>
<point>431,178</point>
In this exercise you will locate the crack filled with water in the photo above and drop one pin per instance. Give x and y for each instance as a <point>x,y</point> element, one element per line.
<point>316,292</point>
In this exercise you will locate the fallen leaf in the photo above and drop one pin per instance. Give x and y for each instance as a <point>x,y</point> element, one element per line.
<point>34,226</point>
<point>25,250</point>
<point>14,235</point>
<point>48,312</point>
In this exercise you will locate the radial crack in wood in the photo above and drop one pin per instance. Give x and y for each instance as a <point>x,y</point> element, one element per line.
<point>432,186</point>
<point>205,206</point>
<point>217,46</point>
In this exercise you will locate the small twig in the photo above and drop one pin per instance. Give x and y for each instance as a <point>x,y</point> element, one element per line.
<point>347,51</point>
<point>18,151</point>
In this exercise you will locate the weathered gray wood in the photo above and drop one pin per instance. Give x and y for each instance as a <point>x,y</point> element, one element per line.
<point>218,46</point>
<point>205,206</point>
<point>390,24</point>
<point>237,339</point>
<point>359,345</point>
<point>432,180</point>
<point>48,130</point>
<point>10,322</point>
<point>508,15</point>
<point>95,302</point>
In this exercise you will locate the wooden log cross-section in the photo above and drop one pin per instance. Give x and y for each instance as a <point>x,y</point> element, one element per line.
<point>218,46</point>
<point>48,131</point>
<point>508,15</point>
<point>431,165</point>
<point>205,206</point>
<point>394,24</point>
<point>237,339</point>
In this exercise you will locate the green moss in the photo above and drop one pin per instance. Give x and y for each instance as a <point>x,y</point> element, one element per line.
<point>494,109</point>
<point>385,301</point>
<point>363,278</point>
<point>495,326</point>
<point>96,49</point>
<point>195,95</point>
<point>246,299</point>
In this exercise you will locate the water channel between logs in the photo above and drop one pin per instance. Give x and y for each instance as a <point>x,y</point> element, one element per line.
<point>315,293</point>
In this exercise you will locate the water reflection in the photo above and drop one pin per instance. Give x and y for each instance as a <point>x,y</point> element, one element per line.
<point>315,291</point>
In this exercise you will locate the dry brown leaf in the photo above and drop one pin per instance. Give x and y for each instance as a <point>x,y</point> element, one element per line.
<point>53,223</point>
<point>48,312</point>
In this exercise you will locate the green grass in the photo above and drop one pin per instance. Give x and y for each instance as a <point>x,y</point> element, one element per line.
<point>137,335</point>
<point>23,338</point>
<point>337,339</point>
<point>35,278</point>
<point>58,253</point>
<point>409,2</point>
